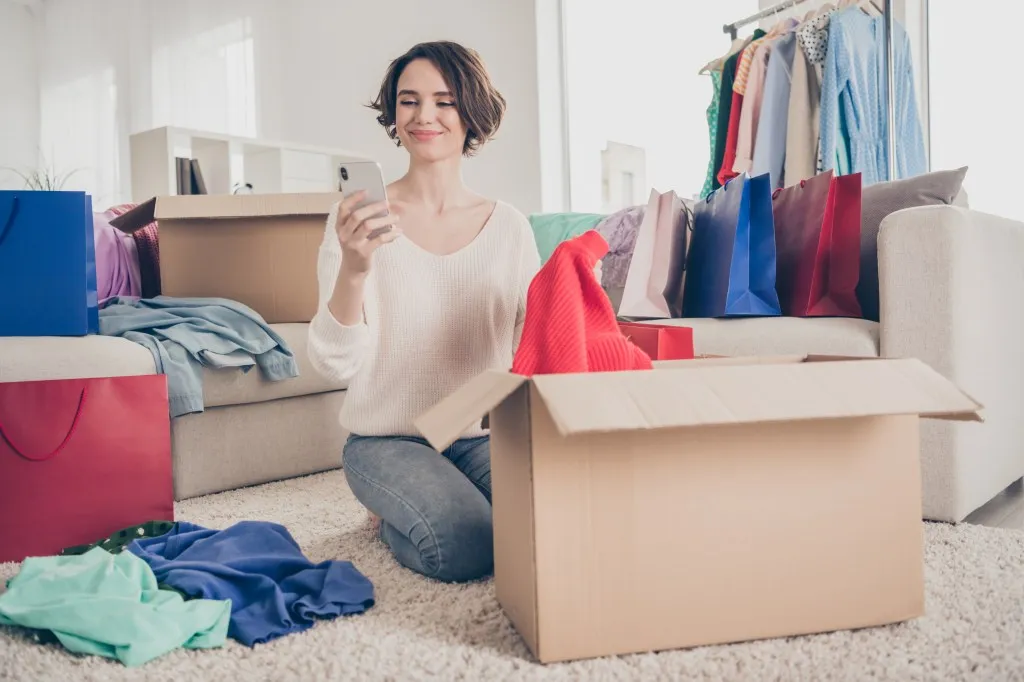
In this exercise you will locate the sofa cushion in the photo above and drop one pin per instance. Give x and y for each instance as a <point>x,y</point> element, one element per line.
<point>71,357</point>
<point>782,336</point>
<point>53,357</point>
<point>881,199</point>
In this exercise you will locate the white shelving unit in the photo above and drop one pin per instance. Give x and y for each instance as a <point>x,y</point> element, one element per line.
<point>270,166</point>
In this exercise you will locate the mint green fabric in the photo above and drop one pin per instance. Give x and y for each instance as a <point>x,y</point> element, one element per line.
<point>551,229</point>
<point>110,605</point>
<point>712,116</point>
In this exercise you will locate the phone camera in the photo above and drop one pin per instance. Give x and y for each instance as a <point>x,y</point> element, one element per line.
<point>344,173</point>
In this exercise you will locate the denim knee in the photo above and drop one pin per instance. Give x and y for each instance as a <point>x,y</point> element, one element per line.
<point>460,549</point>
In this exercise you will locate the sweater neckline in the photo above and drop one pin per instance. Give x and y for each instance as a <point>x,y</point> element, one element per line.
<point>469,246</point>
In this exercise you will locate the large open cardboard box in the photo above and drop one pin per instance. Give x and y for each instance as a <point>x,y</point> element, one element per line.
<point>258,249</point>
<point>706,501</point>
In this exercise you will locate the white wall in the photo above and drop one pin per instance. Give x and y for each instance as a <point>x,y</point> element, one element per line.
<point>299,72</point>
<point>19,93</point>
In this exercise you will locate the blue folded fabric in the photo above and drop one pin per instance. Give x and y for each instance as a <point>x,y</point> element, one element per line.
<point>184,334</point>
<point>274,590</point>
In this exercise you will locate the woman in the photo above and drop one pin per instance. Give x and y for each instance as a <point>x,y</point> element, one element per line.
<point>408,317</point>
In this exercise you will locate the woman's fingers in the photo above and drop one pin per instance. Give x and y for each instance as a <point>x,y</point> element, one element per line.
<point>360,216</point>
<point>349,203</point>
<point>368,227</point>
<point>388,237</point>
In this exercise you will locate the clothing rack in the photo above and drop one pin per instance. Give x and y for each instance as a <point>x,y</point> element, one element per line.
<point>890,80</point>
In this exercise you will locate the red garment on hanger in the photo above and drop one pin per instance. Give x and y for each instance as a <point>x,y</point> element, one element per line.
<point>570,325</point>
<point>725,172</point>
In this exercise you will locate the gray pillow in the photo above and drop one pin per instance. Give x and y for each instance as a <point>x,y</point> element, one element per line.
<point>883,198</point>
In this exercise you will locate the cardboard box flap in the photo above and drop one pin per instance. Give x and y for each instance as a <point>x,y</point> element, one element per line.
<point>202,206</point>
<point>442,424</point>
<point>207,206</point>
<point>734,394</point>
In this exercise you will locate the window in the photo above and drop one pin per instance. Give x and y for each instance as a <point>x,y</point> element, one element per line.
<point>636,102</point>
<point>973,100</point>
<point>78,130</point>
<point>207,81</point>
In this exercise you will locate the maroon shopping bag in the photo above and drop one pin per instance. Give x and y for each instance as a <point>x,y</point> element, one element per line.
<point>81,459</point>
<point>817,243</point>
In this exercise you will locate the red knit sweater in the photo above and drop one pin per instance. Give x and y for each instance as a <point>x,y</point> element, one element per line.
<point>570,325</point>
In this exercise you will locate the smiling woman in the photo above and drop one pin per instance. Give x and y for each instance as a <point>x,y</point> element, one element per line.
<point>409,316</point>
<point>464,88</point>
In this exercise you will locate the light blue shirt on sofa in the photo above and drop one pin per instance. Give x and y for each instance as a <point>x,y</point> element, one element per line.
<point>184,334</point>
<point>853,96</point>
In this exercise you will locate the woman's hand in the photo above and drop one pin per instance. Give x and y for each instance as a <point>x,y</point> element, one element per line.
<point>355,227</point>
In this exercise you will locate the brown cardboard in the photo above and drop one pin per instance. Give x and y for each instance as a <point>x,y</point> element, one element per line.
<point>258,249</point>
<point>704,502</point>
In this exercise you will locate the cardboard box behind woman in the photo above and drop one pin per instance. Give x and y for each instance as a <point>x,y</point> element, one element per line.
<point>706,501</point>
<point>258,249</point>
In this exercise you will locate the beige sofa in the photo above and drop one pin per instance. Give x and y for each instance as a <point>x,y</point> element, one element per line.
<point>951,283</point>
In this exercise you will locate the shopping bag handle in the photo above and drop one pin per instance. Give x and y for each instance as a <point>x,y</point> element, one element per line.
<point>5,226</point>
<point>803,183</point>
<point>56,451</point>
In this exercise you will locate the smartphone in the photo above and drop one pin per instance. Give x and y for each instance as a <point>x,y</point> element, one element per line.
<point>355,176</point>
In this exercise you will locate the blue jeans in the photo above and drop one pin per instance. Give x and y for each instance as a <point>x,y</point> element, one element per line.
<point>435,507</point>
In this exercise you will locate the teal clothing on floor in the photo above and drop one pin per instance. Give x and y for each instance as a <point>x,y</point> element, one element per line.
<point>551,229</point>
<point>110,605</point>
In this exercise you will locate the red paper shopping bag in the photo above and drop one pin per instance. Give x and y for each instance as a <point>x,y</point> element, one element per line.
<point>80,459</point>
<point>660,341</point>
<point>817,242</point>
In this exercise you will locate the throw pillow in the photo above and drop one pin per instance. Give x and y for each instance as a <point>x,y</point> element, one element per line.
<point>551,229</point>
<point>881,199</point>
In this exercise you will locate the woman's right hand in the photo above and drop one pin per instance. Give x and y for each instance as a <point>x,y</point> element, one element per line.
<point>354,226</point>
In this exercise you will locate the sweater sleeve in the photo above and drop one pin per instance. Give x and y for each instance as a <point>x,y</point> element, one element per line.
<point>528,268</point>
<point>335,350</point>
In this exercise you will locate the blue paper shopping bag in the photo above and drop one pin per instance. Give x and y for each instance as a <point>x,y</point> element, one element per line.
<point>730,265</point>
<point>47,264</point>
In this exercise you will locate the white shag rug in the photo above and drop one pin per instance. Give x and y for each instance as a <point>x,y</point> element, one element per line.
<point>422,630</point>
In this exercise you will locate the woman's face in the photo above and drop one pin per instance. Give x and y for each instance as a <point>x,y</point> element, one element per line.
<point>427,121</point>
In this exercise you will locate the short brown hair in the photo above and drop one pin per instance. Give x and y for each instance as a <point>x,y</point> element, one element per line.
<point>481,107</point>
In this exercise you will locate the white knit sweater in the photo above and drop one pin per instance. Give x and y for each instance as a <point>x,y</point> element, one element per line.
<point>430,324</point>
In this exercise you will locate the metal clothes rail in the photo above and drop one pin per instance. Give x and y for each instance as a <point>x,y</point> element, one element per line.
<point>890,80</point>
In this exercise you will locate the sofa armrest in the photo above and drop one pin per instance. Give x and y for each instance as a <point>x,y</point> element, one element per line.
<point>951,292</point>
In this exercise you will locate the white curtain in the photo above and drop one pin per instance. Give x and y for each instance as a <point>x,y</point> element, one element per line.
<point>109,68</point>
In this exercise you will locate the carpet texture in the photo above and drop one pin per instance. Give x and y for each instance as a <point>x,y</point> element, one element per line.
<point>973,630</point>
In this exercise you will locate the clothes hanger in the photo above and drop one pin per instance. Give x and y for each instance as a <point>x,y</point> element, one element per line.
<point>870,8</point>
<point>717,63</point>
<point>824,9</point>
